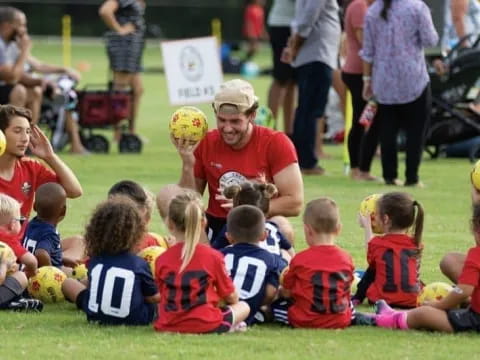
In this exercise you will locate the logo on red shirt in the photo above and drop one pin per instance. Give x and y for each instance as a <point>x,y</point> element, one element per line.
<point>26,187</point>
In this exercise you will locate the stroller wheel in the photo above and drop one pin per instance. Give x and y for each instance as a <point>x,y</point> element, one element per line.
<point>130,143</point>
<point>97,144</point>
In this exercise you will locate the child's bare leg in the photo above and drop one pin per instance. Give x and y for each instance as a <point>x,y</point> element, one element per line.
<point>451,265</point>
<point>240,312</point>
<point>73,247</point>
<point>427,317</point>
<point>71,288</point>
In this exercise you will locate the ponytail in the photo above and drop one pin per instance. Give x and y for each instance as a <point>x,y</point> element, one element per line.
<point>417,235</point>
<point>193,230</point>
<point>386,6</point>
<point>186,213</point>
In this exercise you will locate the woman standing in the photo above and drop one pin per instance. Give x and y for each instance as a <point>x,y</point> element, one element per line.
<point>395,34</point>
<point>283,90</point>
<point>361,144</point>
<point>125,43</point>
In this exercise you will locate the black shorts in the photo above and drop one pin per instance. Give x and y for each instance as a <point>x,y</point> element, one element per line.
<point>464,320</point>
<point>10,286</point>
<point>5,91</point>
<point>214,226</point>
<point>278,40</point>
<point>227,321</point>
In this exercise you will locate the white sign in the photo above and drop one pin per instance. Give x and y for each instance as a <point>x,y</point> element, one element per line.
<point>193,70</point>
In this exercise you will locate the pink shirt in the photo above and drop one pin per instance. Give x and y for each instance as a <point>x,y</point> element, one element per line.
<point>353,21</point>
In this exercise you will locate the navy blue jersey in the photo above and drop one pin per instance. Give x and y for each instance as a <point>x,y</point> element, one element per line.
<point>118,285</point>
<point>251,269</point>
<point>42,235</point>
<point>274,242</point>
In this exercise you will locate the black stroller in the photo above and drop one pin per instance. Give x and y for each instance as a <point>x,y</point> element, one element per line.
<point>451,119</point>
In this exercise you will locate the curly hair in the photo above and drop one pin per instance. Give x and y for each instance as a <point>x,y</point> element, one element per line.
<point>249,193</point>
<point>115,226</point>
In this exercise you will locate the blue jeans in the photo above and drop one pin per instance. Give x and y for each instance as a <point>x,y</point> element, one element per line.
<point>314,81</point>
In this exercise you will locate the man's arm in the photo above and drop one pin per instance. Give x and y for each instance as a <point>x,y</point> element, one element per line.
<point>188,180</point>
<point>289,183</point>
<point>13,73</point>
<point>459,9</point>
<point>44,68</point>
<point>41,147</point>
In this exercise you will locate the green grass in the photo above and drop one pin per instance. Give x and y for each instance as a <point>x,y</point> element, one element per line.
<point>62,332</point>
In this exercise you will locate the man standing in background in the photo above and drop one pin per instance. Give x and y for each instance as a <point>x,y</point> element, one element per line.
<point>312,50</point>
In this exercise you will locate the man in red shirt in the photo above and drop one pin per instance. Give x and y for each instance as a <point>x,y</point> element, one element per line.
<point>237,151</point>
<point>20,176</point>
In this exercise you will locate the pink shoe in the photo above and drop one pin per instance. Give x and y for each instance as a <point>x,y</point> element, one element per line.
<point>381,307</point>
<point>394,320</point>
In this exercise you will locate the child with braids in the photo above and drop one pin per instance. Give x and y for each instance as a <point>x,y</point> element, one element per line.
<point>192,277</point>
<point>258,195</point>
<point>121,290</point>
<point>393,258</point>
<point>442,315</point>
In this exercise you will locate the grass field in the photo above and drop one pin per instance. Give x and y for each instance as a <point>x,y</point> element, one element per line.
<point>62,332</point>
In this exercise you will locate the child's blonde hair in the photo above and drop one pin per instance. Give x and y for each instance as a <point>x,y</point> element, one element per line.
<point>322,215</point>
<point>186,213</point>
<point>9,207</point>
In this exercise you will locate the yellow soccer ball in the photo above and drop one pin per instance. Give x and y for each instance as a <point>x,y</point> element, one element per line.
<point>8,254</point>
<point>46,285</point>
<point>434,292</point>
<point>150,255</point>
<point>188,123</point>
<point>161,241</point>
<point>3,142</point>
<point>368,207</point>
<point>79,272</point>
<point>475,175</point>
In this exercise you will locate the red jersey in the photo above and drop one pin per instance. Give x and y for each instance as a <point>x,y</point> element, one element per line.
<point>253,21</point>
<point>189,299</point>
<point>267,153</point>
<point>28,175</point>
<point>396,261</point>
<point>319,279</point>
<point>14,241</point>
<point>471,276</point>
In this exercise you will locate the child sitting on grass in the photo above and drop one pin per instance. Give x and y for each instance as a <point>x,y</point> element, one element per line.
<point>13,282</point>
<point>319,278</point>
<point>394,257</point>
<point>192,277</point>
<point>254,271</point>
<point>121,290</point>
<point>41,236</point>
<point>144,201</point>
<point>259,195</point>
<point>444,315</point>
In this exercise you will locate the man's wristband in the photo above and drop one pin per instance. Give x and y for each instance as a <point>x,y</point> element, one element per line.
<point>366,78</point>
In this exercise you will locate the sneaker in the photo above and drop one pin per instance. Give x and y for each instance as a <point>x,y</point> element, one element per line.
<point>240,327</point>
<point>364,319</point>
<point>27,305</point>
<point>381,307</point>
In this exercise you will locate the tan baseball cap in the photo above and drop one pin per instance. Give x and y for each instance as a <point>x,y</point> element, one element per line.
<point>236,92</point>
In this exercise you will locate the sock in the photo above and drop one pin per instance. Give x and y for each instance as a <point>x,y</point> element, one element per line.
<point>402,320</point>
<point>393,320</point>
